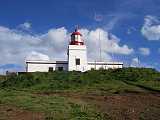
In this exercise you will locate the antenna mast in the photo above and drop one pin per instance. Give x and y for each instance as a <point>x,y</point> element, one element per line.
<point>100,49</point>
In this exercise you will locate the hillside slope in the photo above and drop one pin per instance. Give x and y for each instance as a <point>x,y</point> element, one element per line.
<point>128,93</point>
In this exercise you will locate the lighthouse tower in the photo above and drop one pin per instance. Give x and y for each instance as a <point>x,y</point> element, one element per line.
<point>77,53</point>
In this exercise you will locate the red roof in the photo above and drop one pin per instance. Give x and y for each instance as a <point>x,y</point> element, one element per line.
<point>76,33</point>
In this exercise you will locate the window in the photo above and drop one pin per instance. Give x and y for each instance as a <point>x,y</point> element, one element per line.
<point>76,37</point>
<point>92,69</point>
<point>60,68</point>
<point>77,61</point>
<point>73,37</point>
<point>50,69</point>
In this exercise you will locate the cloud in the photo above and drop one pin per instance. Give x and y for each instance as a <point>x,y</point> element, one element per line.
<point>135,62</point>
<point>144,51</point>
<point>151,28</point>
<point>131,30</point>
<point>114,19</point>
<point>37,56</point>
<point>25,26</point>
<point>109,43</point>
<point>17,45</point>
<point>58,38</point>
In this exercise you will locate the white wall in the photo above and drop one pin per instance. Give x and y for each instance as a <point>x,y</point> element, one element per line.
<point>43,66</point>
<point>77,51</point>
<point>104,65</point>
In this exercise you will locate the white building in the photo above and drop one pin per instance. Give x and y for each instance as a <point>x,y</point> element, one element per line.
<point>77,59</point>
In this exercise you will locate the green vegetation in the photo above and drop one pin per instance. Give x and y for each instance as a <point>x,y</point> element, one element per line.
<point>104,80</point>
<point>2,77</point>
<point>53,106</point>
<point>25,90</point>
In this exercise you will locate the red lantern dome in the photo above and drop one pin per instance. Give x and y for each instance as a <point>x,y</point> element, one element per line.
<point>76,38</point>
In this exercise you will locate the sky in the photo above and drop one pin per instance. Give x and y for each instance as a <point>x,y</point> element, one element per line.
<point>40,30</point>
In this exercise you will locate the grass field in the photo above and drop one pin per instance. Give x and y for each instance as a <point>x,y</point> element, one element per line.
<point>96,95</point>
<point>53,107</point>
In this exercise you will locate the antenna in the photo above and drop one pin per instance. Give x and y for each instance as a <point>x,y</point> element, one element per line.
<point>76,28</point>
<point>112,45</point>
<point>100,49</point>
<point>138,62</point>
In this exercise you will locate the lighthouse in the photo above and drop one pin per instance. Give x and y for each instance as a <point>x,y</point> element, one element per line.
<point>77,59</point>
<point>77,53</point>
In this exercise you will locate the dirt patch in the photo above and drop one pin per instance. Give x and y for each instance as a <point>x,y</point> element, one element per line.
<point>127,106</point>
<point>14,113</point>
